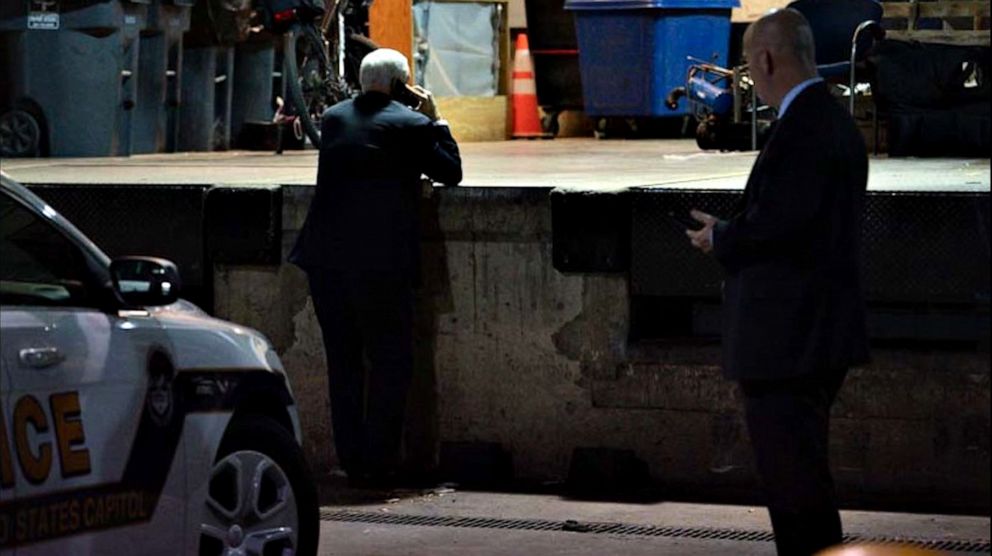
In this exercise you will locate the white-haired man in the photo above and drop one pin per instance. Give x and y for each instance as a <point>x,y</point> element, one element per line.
<point>360,247</point>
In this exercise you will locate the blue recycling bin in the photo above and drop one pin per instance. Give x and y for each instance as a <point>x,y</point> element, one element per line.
<point>633,52</point>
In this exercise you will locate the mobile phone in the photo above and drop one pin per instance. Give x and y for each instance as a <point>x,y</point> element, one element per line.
<point>404,95</point>
<point>683,220</point>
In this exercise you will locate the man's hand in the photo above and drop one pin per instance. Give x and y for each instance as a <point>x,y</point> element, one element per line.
<point>702,238</point>
<point>427,105</point>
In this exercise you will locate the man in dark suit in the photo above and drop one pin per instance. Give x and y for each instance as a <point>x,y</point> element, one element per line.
<point>360,248</point>
<point>793,307</point>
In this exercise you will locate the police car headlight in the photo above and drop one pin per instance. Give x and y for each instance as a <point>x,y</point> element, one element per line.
<point>273,361</point>
<point>264,351</point>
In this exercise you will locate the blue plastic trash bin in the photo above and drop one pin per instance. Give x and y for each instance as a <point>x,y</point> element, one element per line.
<point>633,52</point>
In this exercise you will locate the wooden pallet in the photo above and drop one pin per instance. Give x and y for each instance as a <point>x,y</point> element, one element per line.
<point>965,22</point>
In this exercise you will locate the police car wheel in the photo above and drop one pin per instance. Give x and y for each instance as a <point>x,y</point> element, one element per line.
<point>261,499</point>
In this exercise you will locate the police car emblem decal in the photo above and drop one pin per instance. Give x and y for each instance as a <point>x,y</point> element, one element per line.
<point>160,399</point>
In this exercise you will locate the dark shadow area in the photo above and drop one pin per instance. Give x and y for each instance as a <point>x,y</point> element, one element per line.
<point>432,299</point>
<point>335,491</point>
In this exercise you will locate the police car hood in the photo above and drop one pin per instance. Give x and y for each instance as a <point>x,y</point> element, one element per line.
<point>204,343</point>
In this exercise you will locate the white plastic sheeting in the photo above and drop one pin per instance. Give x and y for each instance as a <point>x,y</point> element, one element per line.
<point>457,47</point>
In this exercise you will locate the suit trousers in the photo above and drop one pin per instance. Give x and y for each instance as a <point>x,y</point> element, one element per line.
<point>789,422</point>
<point>366,316</point>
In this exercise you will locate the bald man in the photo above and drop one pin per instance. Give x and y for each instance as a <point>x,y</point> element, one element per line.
<point>793,318</point>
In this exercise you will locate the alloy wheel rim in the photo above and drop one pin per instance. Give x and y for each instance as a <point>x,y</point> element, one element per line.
<point>250,507</point>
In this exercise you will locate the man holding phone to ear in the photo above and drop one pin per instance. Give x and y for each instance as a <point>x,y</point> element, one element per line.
<point>360,248</point>
<point>794,317</point>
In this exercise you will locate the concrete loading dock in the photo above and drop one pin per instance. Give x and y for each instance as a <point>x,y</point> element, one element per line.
<point>525,362</point>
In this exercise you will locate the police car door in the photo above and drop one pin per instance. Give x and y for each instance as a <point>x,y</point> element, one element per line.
<point>90,461</point>
<point>6,459</point>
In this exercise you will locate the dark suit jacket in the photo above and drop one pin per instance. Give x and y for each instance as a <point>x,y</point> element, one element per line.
<point>793,302</point>
<point>364,212</point>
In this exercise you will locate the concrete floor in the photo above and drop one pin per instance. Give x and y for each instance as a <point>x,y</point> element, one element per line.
<point>584,164</point>
<point>357,538</point>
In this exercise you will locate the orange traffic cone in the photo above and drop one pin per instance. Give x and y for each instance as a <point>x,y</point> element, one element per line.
<point>524,93</point>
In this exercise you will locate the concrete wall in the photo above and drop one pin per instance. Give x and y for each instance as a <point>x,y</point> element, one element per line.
<point>511,351</point>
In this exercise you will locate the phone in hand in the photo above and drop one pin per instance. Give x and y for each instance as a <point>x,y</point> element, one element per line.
<point>404,94</point>
<point>683,220</point>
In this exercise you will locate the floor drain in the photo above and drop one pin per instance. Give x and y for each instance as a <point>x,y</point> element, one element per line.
<point>627,529</point>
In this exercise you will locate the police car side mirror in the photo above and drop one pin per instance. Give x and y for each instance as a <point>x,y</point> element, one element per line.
<point>145,281</point>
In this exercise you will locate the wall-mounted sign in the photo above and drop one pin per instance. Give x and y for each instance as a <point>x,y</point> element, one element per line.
<point>43,14</point>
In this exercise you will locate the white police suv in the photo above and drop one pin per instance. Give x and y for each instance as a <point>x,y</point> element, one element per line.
<point>130,421</point>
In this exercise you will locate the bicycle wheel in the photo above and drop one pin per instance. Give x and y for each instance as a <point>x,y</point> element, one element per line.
<point>312,85</point>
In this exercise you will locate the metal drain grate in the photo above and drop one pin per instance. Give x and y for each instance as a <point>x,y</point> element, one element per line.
<point>701,533</point>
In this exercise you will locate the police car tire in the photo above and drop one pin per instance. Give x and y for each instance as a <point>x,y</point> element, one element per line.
<point>264,435</point>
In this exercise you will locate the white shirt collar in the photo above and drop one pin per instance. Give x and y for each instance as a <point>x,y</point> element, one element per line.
<point>792,94</point>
